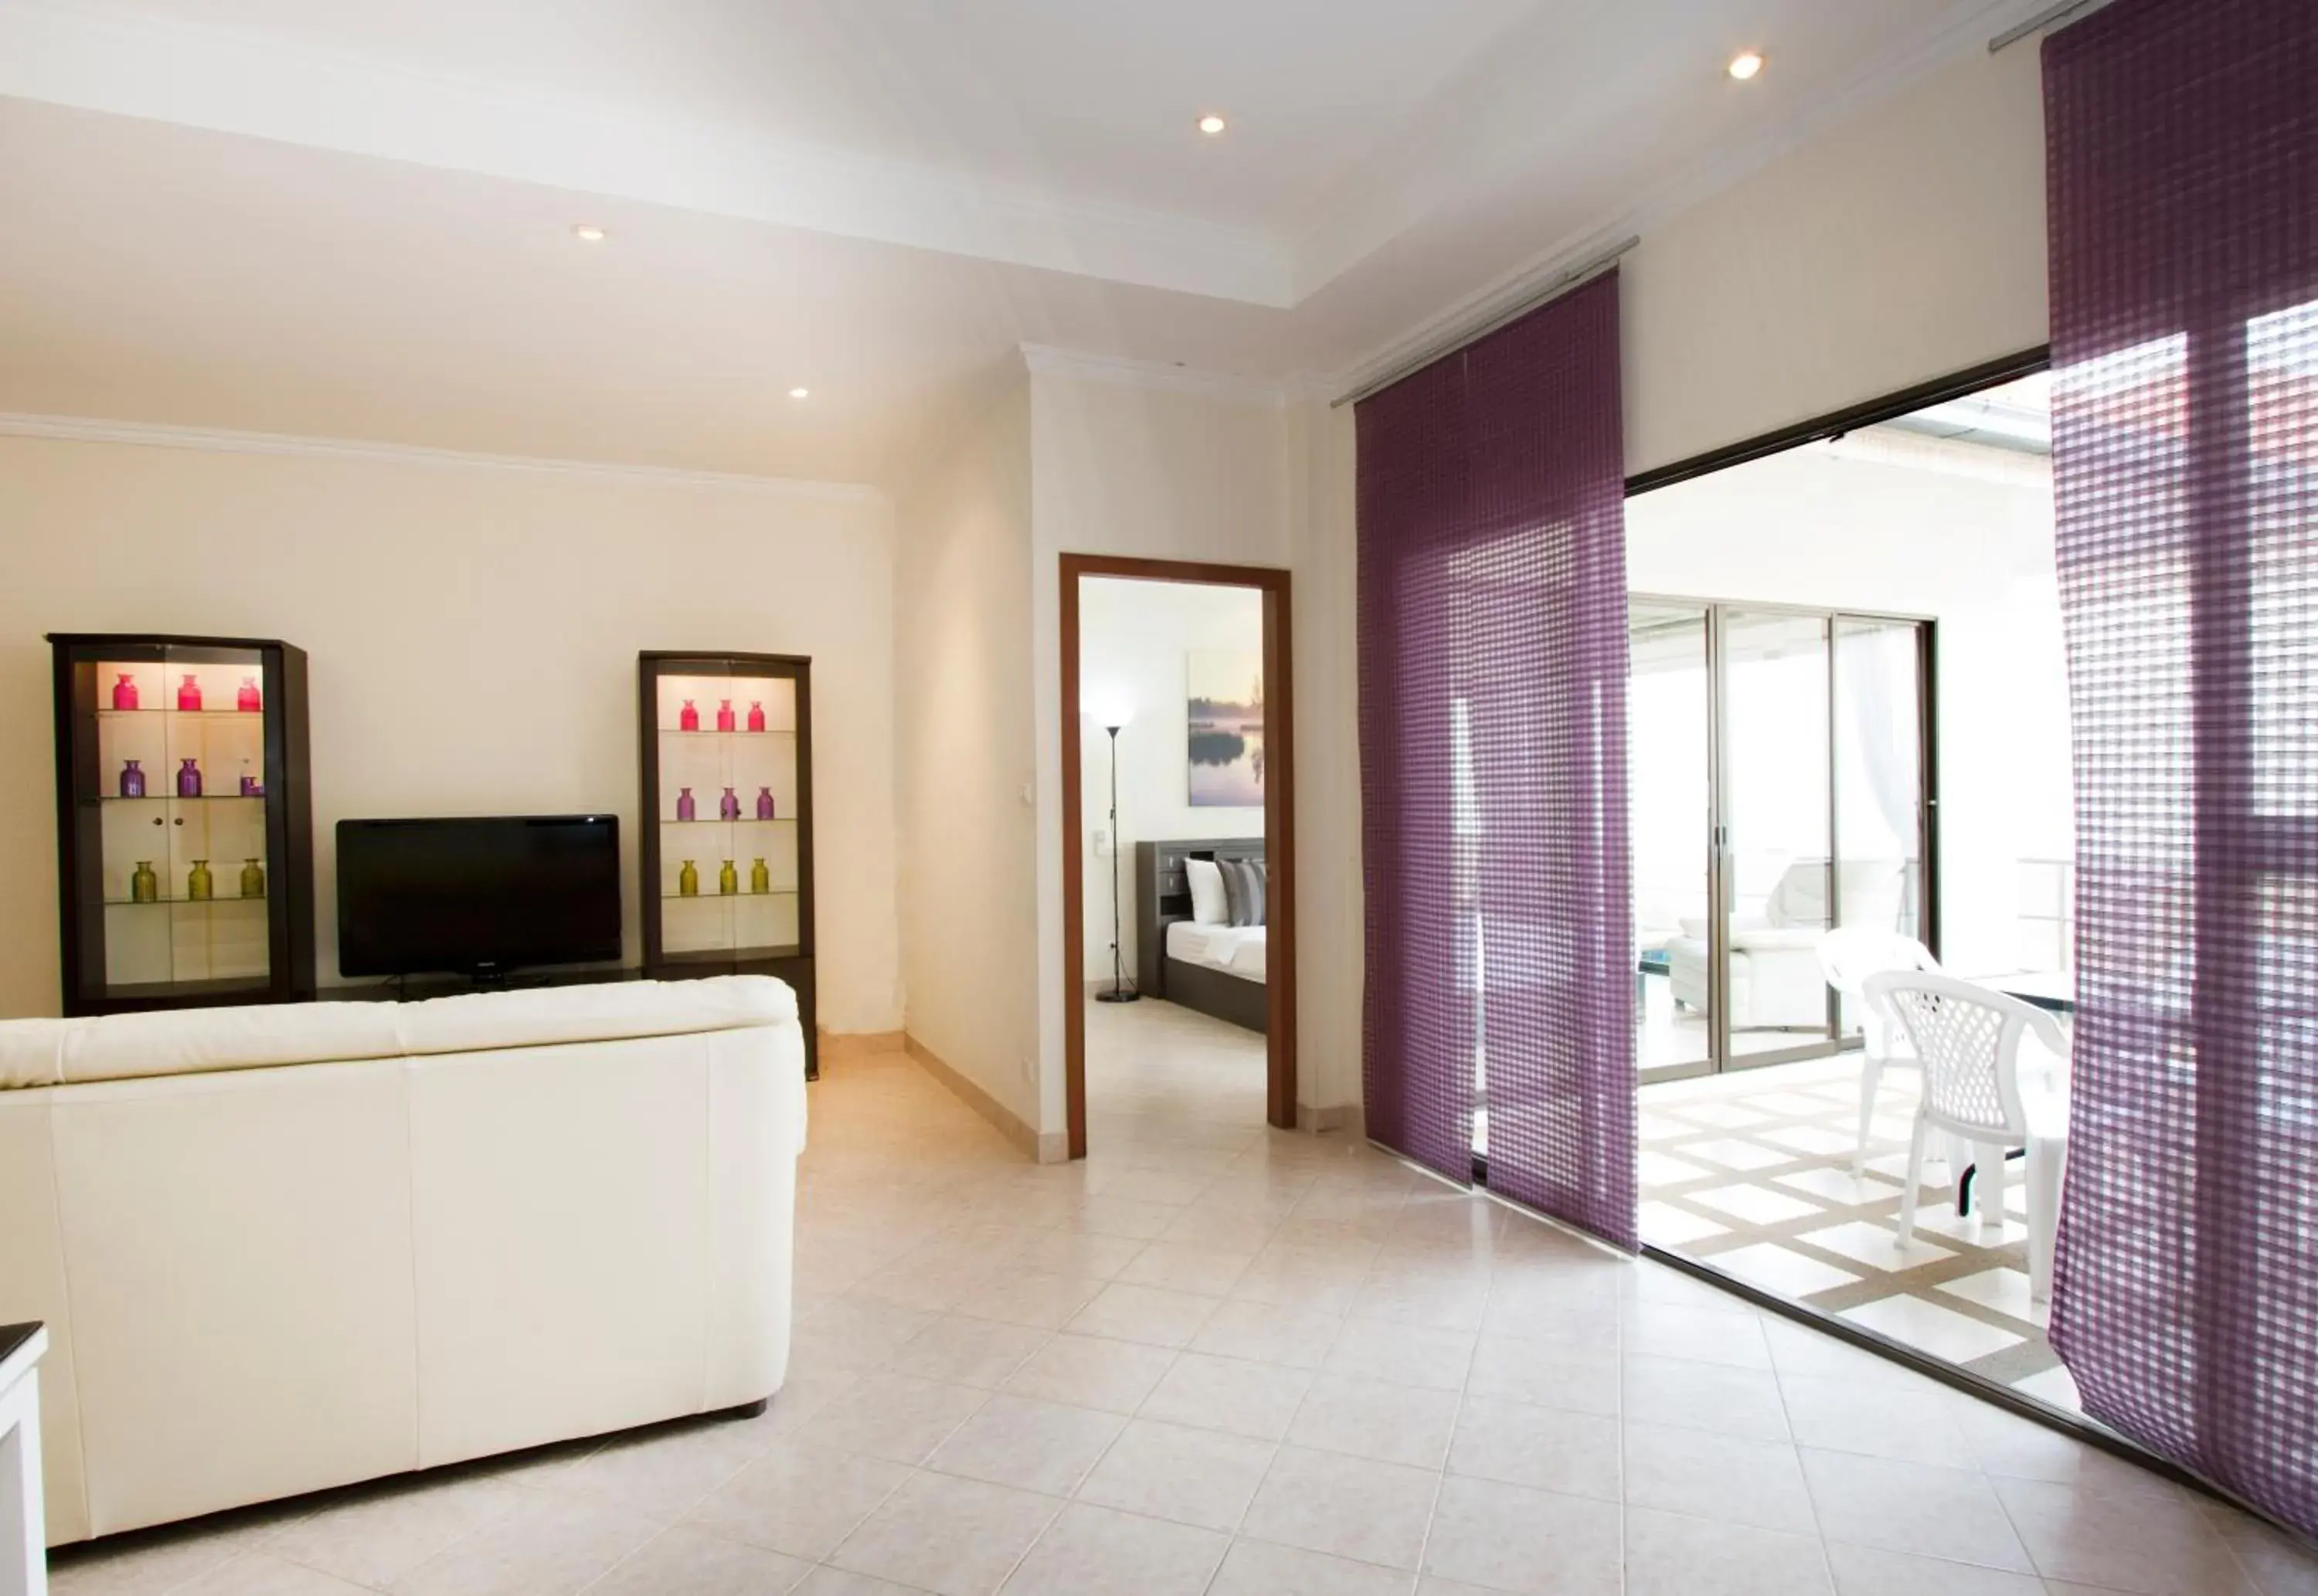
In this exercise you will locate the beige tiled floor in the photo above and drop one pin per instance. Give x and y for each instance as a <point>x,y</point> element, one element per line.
<point>1215,1358</point>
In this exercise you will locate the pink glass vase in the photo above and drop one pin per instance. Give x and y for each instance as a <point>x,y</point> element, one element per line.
<point>688,718</point>
<point>189,694</point>
<point>756,716</point>
<point>764,803</point>
<point>189,779</point>
<point>248,700</point>
<point>729,806</point>
<point>685,808</point>
<point>124,692</point>
<point>724,716</point>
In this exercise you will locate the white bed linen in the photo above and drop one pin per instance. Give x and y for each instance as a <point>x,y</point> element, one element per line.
<point>1236,950</point>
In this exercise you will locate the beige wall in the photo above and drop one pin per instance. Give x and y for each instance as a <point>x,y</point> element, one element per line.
<point>964,765</point>
<point>1330,936</point>
<point>473,630</point>
<point>1124,469</point>
<point>1900,246</point>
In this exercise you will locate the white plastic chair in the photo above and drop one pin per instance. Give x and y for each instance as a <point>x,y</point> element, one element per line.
<point>1968,1039</point>
<point>1848,957</point>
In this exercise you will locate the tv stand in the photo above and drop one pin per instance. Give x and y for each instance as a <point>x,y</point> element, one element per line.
<point>413,989</point>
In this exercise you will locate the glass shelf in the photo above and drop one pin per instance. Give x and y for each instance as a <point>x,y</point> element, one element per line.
<point>166,902</point>
<point>723,958</point>
<point>778,820</point>
<point>712,731</point>
<point>727,897</point>
<point>255,717</point>
<point>174,798</point>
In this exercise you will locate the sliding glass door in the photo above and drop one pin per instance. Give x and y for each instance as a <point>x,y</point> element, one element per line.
<point>1669,711</point>
<point>1780,788</point>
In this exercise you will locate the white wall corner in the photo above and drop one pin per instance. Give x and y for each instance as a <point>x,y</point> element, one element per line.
<point>1341,241</point>
<point>1044,360</point>
<point>155,435</point>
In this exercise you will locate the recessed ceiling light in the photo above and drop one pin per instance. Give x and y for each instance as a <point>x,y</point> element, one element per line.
<point>587,232</point>
<point>1211,124</point>
<point>1746,65</point>
<point>800,393</point>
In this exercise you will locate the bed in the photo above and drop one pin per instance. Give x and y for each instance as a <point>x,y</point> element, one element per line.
<point>1217,970</point>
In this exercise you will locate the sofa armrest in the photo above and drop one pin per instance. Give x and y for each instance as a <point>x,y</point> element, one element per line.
<point>1777,939</point>
<point>1695,925</point>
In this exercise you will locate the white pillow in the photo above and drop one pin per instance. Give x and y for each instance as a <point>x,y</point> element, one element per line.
<point>1209,906</point>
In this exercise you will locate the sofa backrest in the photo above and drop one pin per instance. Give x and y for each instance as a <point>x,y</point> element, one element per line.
<point>536,1218</point>
<point>35,1053</point>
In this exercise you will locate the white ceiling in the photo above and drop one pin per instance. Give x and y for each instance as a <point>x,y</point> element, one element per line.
<point>345,218</point>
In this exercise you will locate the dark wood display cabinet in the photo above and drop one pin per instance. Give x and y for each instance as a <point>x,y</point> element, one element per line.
<point>184,831</point>
<point>727,761</point>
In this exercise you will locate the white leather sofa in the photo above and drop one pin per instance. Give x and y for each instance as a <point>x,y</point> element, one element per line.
<point>1775,980</point>
<point>281,1248</point>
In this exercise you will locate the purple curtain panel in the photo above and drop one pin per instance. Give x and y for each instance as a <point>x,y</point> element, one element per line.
<point>1420,1031</point>
<point>2183,174</point>
<point>1493,719</point>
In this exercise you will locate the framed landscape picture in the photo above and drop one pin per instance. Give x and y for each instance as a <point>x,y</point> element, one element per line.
<point>1226,716</point>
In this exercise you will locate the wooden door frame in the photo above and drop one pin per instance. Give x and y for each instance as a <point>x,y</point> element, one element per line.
<point>1278,821</point>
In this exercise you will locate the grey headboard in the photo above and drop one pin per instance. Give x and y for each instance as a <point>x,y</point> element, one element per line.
<point>1163,895</point>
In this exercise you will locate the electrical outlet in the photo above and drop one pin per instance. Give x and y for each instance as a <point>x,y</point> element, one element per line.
<point>1101,843</point>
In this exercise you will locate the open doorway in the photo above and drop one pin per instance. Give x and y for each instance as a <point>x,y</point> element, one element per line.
<point>1178,765</point>
<point>1854,733</point>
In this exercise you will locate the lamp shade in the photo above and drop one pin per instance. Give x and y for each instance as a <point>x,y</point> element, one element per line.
<point>1107,704</point>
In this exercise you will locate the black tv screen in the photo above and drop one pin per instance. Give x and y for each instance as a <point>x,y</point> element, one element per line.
<point>477,896</point>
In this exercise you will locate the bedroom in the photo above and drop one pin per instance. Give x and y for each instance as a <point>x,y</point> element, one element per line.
<point>1174,774</point>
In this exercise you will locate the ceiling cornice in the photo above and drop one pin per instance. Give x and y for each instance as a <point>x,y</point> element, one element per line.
<point>1165,376</point>
<point>83,429</point>
<point>233,82</point>
<point>1964,29</point>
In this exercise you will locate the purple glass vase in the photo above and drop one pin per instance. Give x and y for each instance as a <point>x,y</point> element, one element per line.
<point>189,779</point>
<point>132,780</point>
<point>729,806</point>
<point>685,808</point>
<point>251,787</point>
<point>764,803</point>
<point>125,691</point>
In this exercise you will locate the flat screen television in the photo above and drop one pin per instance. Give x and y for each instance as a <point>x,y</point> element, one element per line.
<point>477,897</point>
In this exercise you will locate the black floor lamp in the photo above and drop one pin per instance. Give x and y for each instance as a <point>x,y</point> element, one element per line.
<point>1114,718</point>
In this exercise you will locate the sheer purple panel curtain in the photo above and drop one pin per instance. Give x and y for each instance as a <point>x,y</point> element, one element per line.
<point>1420,1030</point>
<point>2183,178</point>
<point>1494,617</point>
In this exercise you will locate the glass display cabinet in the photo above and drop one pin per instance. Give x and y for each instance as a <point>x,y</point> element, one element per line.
<point>727,880</point>
<point>186,872</point>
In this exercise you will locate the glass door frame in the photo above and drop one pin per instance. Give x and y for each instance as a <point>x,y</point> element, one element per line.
<point>1721,859</point>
